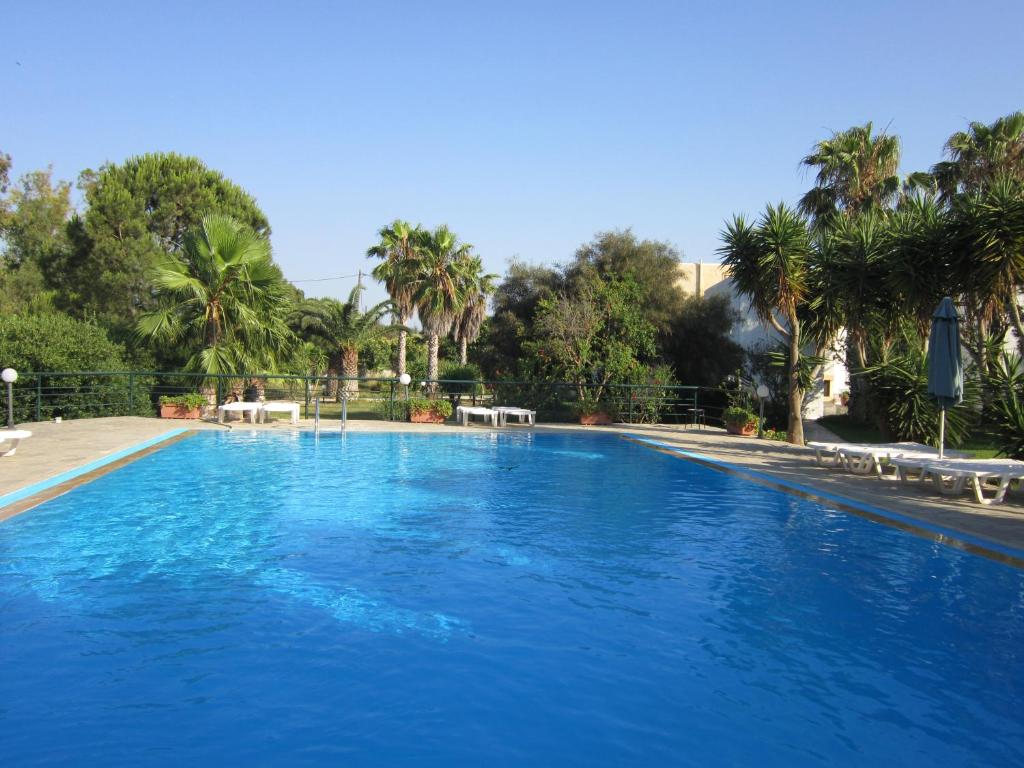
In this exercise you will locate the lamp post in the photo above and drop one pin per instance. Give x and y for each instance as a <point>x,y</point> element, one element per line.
<point>404,380</point>
<point>762,393</point>
<point>9,375</point>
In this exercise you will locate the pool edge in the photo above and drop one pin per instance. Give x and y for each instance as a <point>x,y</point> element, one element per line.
<point>937,533</point>
<point>24,499</point>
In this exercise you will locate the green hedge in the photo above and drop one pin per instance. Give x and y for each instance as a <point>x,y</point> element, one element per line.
<point>56,342</point>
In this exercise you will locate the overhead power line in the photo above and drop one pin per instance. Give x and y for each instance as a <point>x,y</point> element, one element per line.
<point>325,279</point>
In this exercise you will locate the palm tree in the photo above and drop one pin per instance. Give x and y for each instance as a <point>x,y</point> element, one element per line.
<point>470,320</point>
<point>344,330</point>
<point>770,264</point>
<point>440,287</point>
<point>979,155</point>
<point>857,172</point>
<point>223,298</point>
<point>398,249</point>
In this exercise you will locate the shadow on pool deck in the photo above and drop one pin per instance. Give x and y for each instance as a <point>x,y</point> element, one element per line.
<point>57,448</point>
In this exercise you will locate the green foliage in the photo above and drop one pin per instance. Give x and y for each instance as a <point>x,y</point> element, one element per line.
<point>59,343</point>
<point>856,173</point>
<point>738,417</point>
<point>899,381</point>
<point>597,335</point>
<point>188,401</point>
<point>652,266</point>
<point>1007,379</point>
<point>222,300</point>
<point>416,405</point>
<point>699,347</point>
<point>651,396</point>
<point>137,214</point>
<point>463,373</point>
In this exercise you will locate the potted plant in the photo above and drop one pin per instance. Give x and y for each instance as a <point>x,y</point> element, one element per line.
<point>739,421</point>
<point>425,411</point>
<point>181,406</point>
<point>592,411</point>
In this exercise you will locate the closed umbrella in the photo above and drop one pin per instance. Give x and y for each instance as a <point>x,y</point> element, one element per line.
<point>945,368</point>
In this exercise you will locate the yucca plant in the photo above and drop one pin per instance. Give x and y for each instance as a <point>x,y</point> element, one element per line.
<point>1007,381</point>
<point>899,383</point>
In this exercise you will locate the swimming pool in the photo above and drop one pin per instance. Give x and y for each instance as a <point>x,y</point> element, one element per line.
<point>513,599</point>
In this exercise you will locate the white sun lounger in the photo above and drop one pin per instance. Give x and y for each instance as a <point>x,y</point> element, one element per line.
<point>464,412</point>
<point>10,438</point>
<point>253,409</point>
<point>951,476</point>
<point>522,414</point>
<point>280,406</point>
<point>867,458</point>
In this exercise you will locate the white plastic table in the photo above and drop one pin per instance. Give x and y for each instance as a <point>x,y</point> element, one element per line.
<point>9,439</point>
<point>464,412</point>
<point>243,408</point>
<point>523,414</point>
<point>280,406</point>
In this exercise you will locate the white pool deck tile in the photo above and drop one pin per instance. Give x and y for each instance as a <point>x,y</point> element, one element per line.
<point>54,449</point>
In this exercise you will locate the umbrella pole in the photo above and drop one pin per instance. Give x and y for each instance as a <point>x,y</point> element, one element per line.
<point>942,431</point>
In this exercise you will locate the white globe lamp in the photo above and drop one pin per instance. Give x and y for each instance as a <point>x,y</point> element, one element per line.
<point>404,379</point>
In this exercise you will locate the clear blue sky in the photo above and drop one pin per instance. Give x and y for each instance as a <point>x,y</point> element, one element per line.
<point>525,126</point>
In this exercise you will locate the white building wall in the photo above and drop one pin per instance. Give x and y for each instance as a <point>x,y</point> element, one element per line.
<point>750,333</point>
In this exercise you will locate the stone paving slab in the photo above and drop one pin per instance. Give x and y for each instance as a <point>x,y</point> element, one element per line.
<point>57,448</point>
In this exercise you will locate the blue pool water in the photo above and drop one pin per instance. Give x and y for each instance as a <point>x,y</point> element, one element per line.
<point>388,599</point>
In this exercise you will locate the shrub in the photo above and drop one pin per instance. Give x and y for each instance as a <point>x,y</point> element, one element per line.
<point>187,401</point>
<point>58,343</point>
<point>441,408</point>
<point>899,384</point>
<point>738,416</point>
<point>453,372</point>
<point>1007,382</point>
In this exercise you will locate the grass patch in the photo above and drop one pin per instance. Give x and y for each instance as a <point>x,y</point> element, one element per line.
<point>981,445</point>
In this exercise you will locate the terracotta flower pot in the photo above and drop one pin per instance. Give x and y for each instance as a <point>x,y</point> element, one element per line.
<point>426,417</point>
<point>178,412</point>
<point>600,418</point>
<point>746,430</point>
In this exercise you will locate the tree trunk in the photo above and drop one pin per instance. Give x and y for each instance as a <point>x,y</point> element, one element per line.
<point>463,350</point>
<point>402,343</point>
<point>433,346</point>
<point>795,427</point>
<point>350,370</point>
<point>860,387</point>
<point>334,368</point>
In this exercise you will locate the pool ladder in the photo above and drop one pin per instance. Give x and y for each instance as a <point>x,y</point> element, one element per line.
<point>344,413</point>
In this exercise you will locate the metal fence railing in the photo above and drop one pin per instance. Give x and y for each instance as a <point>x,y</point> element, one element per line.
<point>43,395</point>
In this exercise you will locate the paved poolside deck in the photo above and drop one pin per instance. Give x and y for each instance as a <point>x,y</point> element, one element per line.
<point>57,448</point>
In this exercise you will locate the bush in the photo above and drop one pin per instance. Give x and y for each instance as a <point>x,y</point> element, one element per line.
<point>188,401</point>
<point>462,373</point>
<point>58,343</point>
<point>906,411</point>
<point>1007,382</point>
<point>441,408</point>
<point>738,416</point>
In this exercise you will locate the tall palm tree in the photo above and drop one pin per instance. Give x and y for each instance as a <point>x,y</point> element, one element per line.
<point>222,298</point>
<point>981,154</point>
<point>398,250</point>
<point>478,290</point>
<point>440,287</point>
<point>344,330</point>
<point>770,264</point>
<point>857,172</point>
